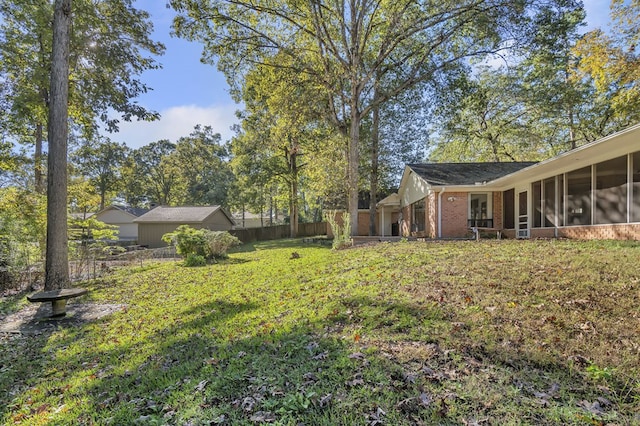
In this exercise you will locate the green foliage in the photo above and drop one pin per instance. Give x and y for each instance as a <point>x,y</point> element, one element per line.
<point>204,162</point>
<point>219,243</point>
<point>341,231</point>
<point>195,260</point>
<point>389,46</point>
<point>101,161</point>
<point>207,244</point>
<point>154,175</point>
<point>187,240</point>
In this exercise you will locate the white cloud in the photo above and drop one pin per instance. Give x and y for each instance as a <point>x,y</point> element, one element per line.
<point>176,122</point>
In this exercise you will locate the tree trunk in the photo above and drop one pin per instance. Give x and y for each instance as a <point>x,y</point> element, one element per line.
<point>37,159</point>
<point>293,188</point>
<point>57,259</point>
<point>373,177</point>
<point>352,167</point>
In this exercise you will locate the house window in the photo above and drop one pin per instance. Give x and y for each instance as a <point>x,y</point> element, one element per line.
<point>549,188</point>
<point>418,216</point>
<point>635,201</point>
<point>508,206</point>
<point>536,196</point>
<point>579,197</point>
<point>611,191</point>
<point>561,219</point>
<point>480,213</point>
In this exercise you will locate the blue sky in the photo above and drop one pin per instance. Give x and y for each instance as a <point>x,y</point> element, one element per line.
<point>187,92</point>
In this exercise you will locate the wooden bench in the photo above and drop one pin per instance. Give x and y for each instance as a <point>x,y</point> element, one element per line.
<point>58,299</point>
<point>477,229</point>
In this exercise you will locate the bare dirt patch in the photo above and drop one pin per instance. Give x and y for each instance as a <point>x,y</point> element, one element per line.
<point>35,318</point>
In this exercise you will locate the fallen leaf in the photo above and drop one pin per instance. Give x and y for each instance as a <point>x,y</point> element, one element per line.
<point>592,407</point>
<point>263,416</point>
<point>325,400</point>
<point>202,385</point>
<point>322,355</point>
<point>248,403</point>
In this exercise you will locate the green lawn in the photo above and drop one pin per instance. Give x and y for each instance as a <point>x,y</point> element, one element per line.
<point>490,332</point>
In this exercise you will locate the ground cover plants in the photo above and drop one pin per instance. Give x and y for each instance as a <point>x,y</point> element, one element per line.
<point>491,332</point>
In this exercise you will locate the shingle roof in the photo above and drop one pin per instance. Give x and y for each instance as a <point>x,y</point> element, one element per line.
<point>440,174</point>
<point>137,212</point>
<point>179,214</point>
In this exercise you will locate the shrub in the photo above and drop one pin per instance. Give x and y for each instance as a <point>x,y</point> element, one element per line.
<point>201,242</point>
<point>187,240</point>
<point>341,234</point>
<point>195,260</point>
<point>220,242</point>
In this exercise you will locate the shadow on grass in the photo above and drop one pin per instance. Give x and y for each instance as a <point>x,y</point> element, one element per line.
<point>190,373</point>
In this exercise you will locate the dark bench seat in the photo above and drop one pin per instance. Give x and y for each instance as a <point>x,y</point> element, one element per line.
<point>58,299</point>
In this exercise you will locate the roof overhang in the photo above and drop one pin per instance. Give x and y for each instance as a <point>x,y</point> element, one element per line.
<point>392,200</point>
<point>607,148</point>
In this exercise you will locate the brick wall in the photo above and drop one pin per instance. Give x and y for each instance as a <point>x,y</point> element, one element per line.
<point>497,210</point>
<point>622,231</point>
<point>542,233</point>
<point>455,207</point>
<point>405,226</point>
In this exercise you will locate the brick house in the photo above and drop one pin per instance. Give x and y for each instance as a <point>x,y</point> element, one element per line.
<point>590,192</point>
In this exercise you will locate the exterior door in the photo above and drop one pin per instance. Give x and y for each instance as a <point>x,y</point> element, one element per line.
<point>523,215</point>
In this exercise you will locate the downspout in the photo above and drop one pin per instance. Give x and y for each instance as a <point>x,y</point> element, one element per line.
<point>440,212</point>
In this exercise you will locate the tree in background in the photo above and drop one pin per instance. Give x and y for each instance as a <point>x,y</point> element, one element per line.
<point>204,162</point>
<point>101,161</point>
<point>282,125</point>
<point>611,63</point>
<point>154,175</point>
<point>345,47</point>
<point>485,119</point>
<point>562,90</point>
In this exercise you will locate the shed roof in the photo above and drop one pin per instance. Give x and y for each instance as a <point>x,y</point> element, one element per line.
<point>134,211</point>
<point>190,214</point>
<point>440,174</point>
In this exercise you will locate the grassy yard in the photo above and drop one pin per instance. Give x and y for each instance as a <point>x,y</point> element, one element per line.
<point>490,332</point>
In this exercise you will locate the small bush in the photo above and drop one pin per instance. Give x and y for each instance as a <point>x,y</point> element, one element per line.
<point>195,260</point>
<point>220,242</point>
<point>202,242</point>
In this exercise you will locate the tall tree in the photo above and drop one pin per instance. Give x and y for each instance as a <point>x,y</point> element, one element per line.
<point>611,62</point>
<point>531,108</point>
<point>345,46</point>
<point>488,121</point>
<point>554,99</point>
<point>284,124</point>
<point>56,260</point>
<point>107,54</point>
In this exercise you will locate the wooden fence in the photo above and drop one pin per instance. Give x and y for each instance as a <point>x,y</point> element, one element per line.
<point>279,232</point>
